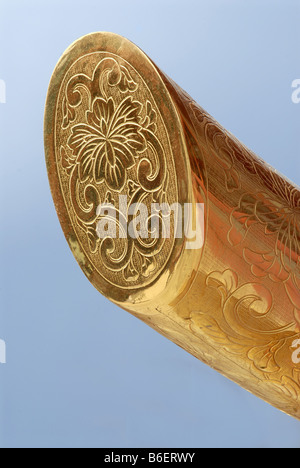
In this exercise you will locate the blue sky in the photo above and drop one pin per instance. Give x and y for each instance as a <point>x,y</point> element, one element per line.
<point>81,372</point>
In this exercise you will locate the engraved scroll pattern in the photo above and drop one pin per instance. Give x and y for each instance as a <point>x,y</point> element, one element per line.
<point>243,325</point>
<point>111,147</point>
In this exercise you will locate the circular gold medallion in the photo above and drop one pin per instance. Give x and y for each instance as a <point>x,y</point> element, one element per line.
<point>113,148</point>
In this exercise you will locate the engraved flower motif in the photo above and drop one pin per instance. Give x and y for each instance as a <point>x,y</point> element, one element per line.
<point>278,211</point>
<point>280,215</point>
<point>106,145</point>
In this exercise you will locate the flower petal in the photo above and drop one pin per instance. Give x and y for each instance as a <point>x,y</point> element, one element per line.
<point>81,135</point>
<point>124,154</point>
<point>100,167</point>
<point>130,133</point>
<point>137,141</point>
<point>115,175</point>
<point>86,144</point>
<point>101,114</point>
<point>128,110</point>
<point>110,153</point>
<point>86,165</point>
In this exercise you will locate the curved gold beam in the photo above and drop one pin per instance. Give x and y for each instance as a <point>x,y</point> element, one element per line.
<point>119,132</point>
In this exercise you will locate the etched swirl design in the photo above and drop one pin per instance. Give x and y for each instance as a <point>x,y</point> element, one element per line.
<point>113,143</point>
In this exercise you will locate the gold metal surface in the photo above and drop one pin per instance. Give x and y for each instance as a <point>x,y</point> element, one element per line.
<point>116,125</point>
